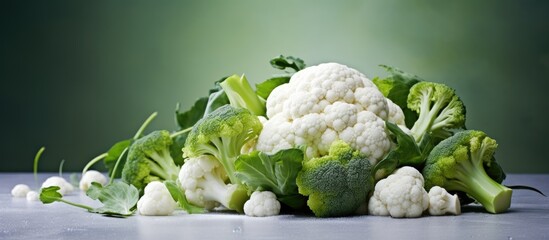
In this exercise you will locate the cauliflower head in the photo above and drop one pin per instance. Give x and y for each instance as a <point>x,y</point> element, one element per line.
<point>91,176</point>
<point>262,204</point>
<point>157,200</point>
<point>399,195</point>
<point>64,186</point>
<point>20,190</point>
<point>325,103</point>
<point>33,196</point>
<point>441,202</point>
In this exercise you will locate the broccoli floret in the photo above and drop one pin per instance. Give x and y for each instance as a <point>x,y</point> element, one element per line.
<point>241,94</point>
<point>223,133</point>
<point>458,164</point>
<point>337,184</point>
<point>440,110</point>
<point>149,159</point>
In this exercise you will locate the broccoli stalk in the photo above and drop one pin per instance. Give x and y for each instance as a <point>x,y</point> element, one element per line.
<point>241,94</point>
<point>458,164</point>
<point>222,134</point>
<point>149,159</point>
<point>439,109</point>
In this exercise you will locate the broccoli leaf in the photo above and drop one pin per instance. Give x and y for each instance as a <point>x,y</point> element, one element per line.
<point>396,87</point>
<point>277,173</point>
<point>175,148</point>
<point>215,99</point>
<point>113,154</point>
<point>187,119</point>
<point>179,196</point>
<point>265,88</point>
<point>118,198</point>
<point>281,62</point>
<point>191,116</point>
<point>407,153</point>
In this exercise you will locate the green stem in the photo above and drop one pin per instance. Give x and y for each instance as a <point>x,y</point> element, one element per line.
<point>186,130</point>
<point>76,204</point>
<point>494,197</point>
<point>94,161</point>
<point>111,178</point>
<point>35,167</point>
<point>61,168</point>
<point>145,124</point>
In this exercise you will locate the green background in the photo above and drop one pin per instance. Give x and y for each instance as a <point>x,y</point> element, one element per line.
<point>78,76</point>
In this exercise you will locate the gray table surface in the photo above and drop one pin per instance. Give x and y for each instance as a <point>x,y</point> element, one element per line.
<point>528,218</point>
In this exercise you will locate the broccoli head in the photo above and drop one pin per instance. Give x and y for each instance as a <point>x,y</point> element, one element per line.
<point>458,164</point>
<point>440,110</point>
<point>149,159</point>
<point>337,184</point>
<point>222,134</point>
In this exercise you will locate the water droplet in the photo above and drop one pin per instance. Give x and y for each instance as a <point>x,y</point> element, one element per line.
<point>510,238</point>
<point>237,230</point>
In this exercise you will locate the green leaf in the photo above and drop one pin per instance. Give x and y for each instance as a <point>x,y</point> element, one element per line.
<point>118,198</point>
<point>204,105</point>
<point>265,88</point>
<point>50,194</point>
<point>396,87</point>
<point>277,173</point>
<point>113,154</point>
<point>94,190</point>
<point>175,148</point>
<point>190,117</point>
<point>494,170</point>
<point>216,100</point>
<point>407,153</point>
<point>281,62</point>
<point>179,196</point>
<point>407,150</point>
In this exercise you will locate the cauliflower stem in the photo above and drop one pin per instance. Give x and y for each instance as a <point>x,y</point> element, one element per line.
<point>203,180</point>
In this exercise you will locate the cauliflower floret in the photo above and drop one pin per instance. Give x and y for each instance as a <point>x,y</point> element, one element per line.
<point>92,176</point>
<point>396,115</point>
<point>33,196</point>
<point>325,103</point>
<point>157,200</point>
<point>401,194</point>
<point>262,204</point>
<point>203,179</point>
<point>20,190</point>
<point>441,202</point>
<point>64,186</point>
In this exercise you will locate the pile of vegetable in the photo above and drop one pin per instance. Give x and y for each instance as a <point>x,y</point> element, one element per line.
<point>321,139</point>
